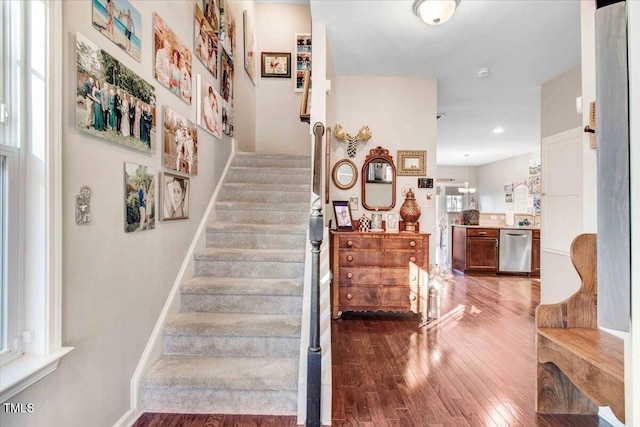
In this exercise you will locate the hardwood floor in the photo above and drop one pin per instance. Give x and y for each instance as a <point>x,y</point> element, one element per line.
<point>475,366</point>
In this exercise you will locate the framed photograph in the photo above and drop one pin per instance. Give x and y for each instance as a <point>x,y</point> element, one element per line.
<point>206,43</point>
<point>303,59</point>
<point>250,47</point>
<point>535,184</point>
<point>508,197</point>
<point>226,86</point>
<point>412,162</point>
<point>139,196</point>
<point>391,222</point>
<point>342,214</point>
<point>180,143</point>
<point>534,167</point>
<point>120,22</point>
<point>508,188</point>
<point>227,118</point>
<point>113,102</point>
<point>175,196</point>
<point>172,60</point>
<point>353,203</point>
<point>211,11</point>
<point>208,106</point>
<point>275,64</point>
<point>227,28</point>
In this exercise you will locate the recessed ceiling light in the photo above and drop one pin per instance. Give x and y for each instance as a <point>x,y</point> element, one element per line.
<point>498,130</point>
<point>482,72</point>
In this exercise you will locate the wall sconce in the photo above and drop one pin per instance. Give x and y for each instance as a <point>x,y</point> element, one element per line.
<point>435,12</point>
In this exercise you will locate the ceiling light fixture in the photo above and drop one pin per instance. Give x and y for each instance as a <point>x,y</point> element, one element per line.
<point>482,72</point>
<point>435,12</point>
<point>466,189</point>
<point>498,130</point>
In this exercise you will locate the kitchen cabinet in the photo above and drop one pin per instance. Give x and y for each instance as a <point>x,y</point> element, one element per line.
<point>379,272</point>
<point>535,253</point>
<point>475,250</point>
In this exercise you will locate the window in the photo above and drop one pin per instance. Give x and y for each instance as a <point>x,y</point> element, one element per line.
<point>30,278</point>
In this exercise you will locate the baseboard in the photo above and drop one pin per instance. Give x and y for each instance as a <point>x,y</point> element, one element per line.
<point>153,350</point>
<point>127,419</point>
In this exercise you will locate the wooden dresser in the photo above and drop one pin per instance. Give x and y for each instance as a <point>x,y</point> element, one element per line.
<point>379,272</point>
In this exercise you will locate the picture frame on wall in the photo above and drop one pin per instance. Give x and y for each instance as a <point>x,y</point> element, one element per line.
<point>342,214</point>
<point>275,64</point>
<point>139,197</point>
<point>206,43</point>
<point>412,162</point>
<point>121,23</point>
<point>180,143</point>
<point>208,107</point>
<point>250,47</point>
<point>175,196</point>
<point>172,61</point>
<point>303,59</point>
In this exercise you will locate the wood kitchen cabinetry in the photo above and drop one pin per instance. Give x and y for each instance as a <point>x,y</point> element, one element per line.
<point>379,272</point>
<point>475,250</point>
<point>535,253</point>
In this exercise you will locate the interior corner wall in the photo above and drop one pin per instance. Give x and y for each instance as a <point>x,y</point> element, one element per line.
<point>401,112</point>
<point>116,283</point>
<point>278,126</point>
<point>558,103</point>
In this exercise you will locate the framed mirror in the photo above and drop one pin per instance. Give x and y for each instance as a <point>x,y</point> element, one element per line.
<point>378,180</point>
<point>344,174</point>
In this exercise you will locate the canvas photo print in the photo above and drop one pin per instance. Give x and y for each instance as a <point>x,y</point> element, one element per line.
<point>180,143</point>
<point>227,118</point>
<point>175,197</point>
<point>120,22</point>
<point>113,102</point>
<point>211,11</point>
<point>227,28</point>
<point>172,61</point>
<point>226,85</point>
<point>250,47</point>
<point>139,195</point>
<point>206,43</point>
<point>208,106</point>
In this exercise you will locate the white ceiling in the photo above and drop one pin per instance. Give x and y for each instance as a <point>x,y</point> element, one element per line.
<point>524,43</point>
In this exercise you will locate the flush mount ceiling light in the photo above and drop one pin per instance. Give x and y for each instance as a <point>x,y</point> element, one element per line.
<point>498,130</point>
<point>435,12</point>
<point>482,72</point>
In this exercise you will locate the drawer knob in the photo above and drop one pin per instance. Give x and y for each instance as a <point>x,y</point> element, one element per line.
<point>413,278</point>
<point>349,275</point>
<point>412,297</point>
<point>412,259</point>
<point>412,243</point>
<point>349,296</point>
<point>349,243</point>
<point>349,257</point>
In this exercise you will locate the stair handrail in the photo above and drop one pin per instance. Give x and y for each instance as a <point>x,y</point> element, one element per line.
<point>316,231</point>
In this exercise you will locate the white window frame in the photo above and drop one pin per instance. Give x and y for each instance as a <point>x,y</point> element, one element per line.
<point>42,357</point>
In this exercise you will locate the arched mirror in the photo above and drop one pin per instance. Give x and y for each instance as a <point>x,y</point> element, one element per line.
<point>345,174</point>
<point>378,180</point>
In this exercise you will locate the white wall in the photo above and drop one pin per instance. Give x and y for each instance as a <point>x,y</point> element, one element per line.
<point>115,283</point>
<point>493,176</point>
<point>278,125</point>
<point>401,112</point>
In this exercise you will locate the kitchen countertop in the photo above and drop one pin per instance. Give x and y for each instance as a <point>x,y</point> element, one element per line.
<point>510,227</point>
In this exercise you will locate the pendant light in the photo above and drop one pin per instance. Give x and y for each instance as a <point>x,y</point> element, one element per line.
<point>435,12</point>
<point>466,189</point>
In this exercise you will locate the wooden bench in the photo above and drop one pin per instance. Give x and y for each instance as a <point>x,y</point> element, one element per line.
<point>580,367</point>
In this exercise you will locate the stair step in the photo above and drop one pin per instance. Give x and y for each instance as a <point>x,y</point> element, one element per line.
<point>271,264</point>
<point>271,175</point>
<point>262,213</point>
<point>256,255</point>
<point>242,286</point>
<point>255,236</point>
<point>272,160</point>
<point>264,193</point>
<point>221,385</point>
<point>231,334</point>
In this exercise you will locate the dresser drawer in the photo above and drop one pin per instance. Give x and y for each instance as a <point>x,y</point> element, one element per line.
<point>397,242</point>
<point>400,277</point>
<point>482,232</point>
<point>349,258</point>
<point>377,298</point>
<point>402,258</point>
<point>359,276</point>
<point>359,242</point>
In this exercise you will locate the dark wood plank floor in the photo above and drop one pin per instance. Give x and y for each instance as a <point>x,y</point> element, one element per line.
<point>475,366</point>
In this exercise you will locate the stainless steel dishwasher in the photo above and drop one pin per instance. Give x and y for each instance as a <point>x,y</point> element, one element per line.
<point>515,251</point>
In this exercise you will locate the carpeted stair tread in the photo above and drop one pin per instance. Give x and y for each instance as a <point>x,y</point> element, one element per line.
<point>273,188</point>
<point>289,207</point>
<point>234,324</point>
<point>275,170</point>
<point>256,228</point>
<point>241,286</point>
<point>258,255</point>
<point>228,373</point>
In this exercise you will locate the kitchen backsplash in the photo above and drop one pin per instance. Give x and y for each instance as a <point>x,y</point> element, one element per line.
<point>498,219</point>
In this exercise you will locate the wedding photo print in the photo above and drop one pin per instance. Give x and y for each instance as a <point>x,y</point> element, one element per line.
<point>112,102</point>
<point>208,106</point>
<point>175,197</point>
<point>206,43</point>
<point>139,183</point>
<point>172,61</point>
<point>180,143</point>
<point>120,22</point>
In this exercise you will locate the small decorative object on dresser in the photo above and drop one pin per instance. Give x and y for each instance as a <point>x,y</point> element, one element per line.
<point>364,224</point>
<point>376,221</point>
<point>342,215</point>
<point>392,222</point>
<point>410,211</point>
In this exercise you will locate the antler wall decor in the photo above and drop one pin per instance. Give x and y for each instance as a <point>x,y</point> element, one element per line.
<point>364,134</point>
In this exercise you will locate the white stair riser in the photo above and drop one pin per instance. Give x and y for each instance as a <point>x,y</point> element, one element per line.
<point>227,346</point>
<point>219,239</point>
<point>214,401</point>
<point>259,304</point>
<point>256,269</point>
<point>253,216</point>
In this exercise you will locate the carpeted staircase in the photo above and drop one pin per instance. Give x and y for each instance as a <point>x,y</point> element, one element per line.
<point>234,348</point>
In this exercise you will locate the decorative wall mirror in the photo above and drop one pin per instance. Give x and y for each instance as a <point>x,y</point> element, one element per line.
<point>378,180</point>
<point>345,174</point>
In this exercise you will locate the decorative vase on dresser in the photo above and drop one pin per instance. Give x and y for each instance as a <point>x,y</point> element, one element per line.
<point>410,211</point>
<point>379,272</point>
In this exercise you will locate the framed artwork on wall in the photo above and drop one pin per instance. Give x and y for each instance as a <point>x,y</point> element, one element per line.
<point>275,64</point>
<point>139,197</point>
<point>206,43</point>
<point>175,196</point>
<point>172,60</point>
<point>250,48</point>
<point>180,143</point>
<point>208,107</point>
<point>342,214</point>
<point>412,162</point>
<point>121,23</point>
<point>303,59</point>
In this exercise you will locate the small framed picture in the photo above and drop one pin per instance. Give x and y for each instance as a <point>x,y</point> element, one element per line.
<point>276,64</point>
<point>412,162</point>
<point>175,196</point>
<point>342,213</point>
<point>391,222</point>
